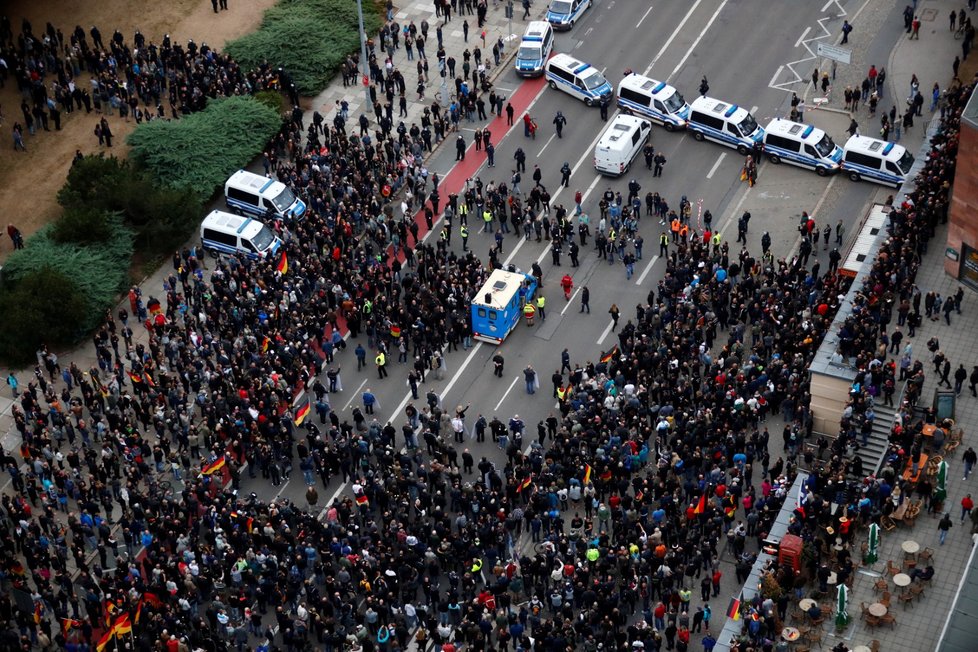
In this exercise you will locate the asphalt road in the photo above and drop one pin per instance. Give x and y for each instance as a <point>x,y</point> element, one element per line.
<point>677,42</point>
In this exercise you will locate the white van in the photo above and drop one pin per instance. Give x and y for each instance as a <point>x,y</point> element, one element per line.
<point>876,160</point>
<point>247,192</point>
<point>562,14</point>
<point>657,101</point>
<point>535,48</point>
<point>802,145</point>
<point>582,80</point>
<point>224,233</point>
<point>619,143</point>
<point>724,123</point>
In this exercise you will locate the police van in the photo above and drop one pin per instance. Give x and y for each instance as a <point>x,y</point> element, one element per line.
<point>876,160</point>
<point>247,192</point>
<point>579,79</point>
<point>536,46</point>
<point>621,141</point>
<point>657,101</point>
<point>562,14</point>
<point>224,233</point>
<point>724,123</point>
<point>802,145</point>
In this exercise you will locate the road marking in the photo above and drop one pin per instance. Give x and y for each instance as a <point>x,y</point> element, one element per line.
<point>753,108</point>
<point>571,301</point>
<point>818,205</point>
<point>709,175</point>
<point>699,38</point>
<point>804,34</point>
<point>458,374</point>
<point>589,30</point>
<point>506,393</point>
<point>736,210</point>
<point>672,37</point>
<point>354,396</point>
<point>550,140</point>
<point>648,269</point>
<point>644,16</point>
<point>515,249</point>
<point>606,331</point>
<point>500,88</point>
<point>775,77</point>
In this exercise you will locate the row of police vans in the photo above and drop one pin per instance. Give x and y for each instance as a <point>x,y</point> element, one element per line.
<point>707,118</point>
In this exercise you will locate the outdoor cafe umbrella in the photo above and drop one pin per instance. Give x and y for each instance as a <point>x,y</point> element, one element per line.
<point>842,606</point>
<point>873,551</point>
<point>941,494</point>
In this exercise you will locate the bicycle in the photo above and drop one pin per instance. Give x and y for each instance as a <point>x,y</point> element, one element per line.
<point>959,33</point>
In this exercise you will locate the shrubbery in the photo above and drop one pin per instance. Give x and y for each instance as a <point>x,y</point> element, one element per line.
<point>199,151</point>
<point>44,306</point>
<point>309,39</point>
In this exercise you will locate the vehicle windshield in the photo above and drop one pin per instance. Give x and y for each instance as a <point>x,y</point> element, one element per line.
<point>528,52</point>
<point>284,200</point>
<point>748,125</point>
<point>675,102</point>
<point>560,7</point>
<point>906,162</point>
<point>825,147</point>
<point>594,81</point>
<point>263,239</point>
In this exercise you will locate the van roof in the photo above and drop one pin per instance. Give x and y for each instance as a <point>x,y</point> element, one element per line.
<point>801,131</point>
<point>567,61</point>
<point>251,181</point>
<point>230,223</point>
<point>651,86</point>
<point>501,286</point>
<point>719,108</point>
<point>535,30</point>
<point>618,133</point>
<point>875,146</point>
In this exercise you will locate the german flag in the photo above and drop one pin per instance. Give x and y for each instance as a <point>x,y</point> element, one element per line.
<point>250,524</point>
<point>587,474</point>
<point>152,599</point>
<point>105,640</point>
<point>395,332</point>
<point>68,624</point>
<point>265,342</point>
<point>524,485</point>
<point>149,380</point>
<point>302,412</point>
<point>135,378</point>
<point>701,505</point>
<point>38,612</point>
<point>214,467</point>
<point>122,625</point>
<point>362,500</point>
<point>17,569</point>
<point>733,609</point>
<point>283,264</point>
<point>606,476</point>
<point>611,355</point>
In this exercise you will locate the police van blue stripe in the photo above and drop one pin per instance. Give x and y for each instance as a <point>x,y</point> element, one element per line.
<point>603,89</point>
<point>651,113</point>
<point>873,173</point>
<point>718,134</point>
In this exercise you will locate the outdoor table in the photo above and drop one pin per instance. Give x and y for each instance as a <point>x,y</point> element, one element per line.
<point>921,467</point>
<point>929,430</point>
<point>806,604</point>
<point>901,579</point>
<point>790,634</point>
<point>877,609</point>
<point>900,511</point>
<point>910,547</point>
<point>861,648</point>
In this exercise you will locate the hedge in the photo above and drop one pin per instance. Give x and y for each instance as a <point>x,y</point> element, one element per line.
<point>199,151</point>
<point>45,306</point>
<point>309,39</point>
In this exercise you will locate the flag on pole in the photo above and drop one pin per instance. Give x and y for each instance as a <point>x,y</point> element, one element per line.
<point>525,484</point>
<point>283,264</point>
<point>733,609</point>
<point>149,380</point>
<point>611,355</point>
<point>873,551</point>
<point>701,505</point>
<point>122,625</point>
<point>214,467</point>
<point>265,342</point>
<point>135,378</point>
<point>104,641</point>
<point>152,599</point>
<point>38,612</point>
<point>587,474</point>
<point>302,412</point>
<point>363,500</point>
<point>67,624</point>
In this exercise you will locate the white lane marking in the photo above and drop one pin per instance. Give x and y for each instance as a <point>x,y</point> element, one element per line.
<point>569,303</point>
<point>354,396</point>
<point>518,246</point>
<point>776,75</point>
<point>606,331</point>
<point>644,16</point>
<point>672,37</point>
<point>506,393</point>
<point>803,35</point>
<point>549,140</point>
<point>818,205</point>
<point>709,175</point>
<point>648,269</point>
<point>736,210</point>
<point>699,38</point>
<point>458,374</point>
<point>827,5</point>
<point>753,109</point>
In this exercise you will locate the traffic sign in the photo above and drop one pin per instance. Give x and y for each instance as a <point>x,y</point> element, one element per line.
<point>834,52</point>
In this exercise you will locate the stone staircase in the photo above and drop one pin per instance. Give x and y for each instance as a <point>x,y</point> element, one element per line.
<point>872,453</point>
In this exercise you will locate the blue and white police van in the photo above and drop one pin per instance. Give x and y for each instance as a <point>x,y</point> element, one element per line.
<point>724,123</point>
<point>563,14</point>
<point>578,79</point>
<point>876,160</point>
<point>247,192</point>
<point>224,233</point>
<point>803,145</point>
<point>498,306</point>
<point>655,100</point>
<point>535,48</point>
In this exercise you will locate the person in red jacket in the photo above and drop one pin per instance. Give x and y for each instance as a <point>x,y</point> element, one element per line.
<point>967,504</point>
<point>568,284</point>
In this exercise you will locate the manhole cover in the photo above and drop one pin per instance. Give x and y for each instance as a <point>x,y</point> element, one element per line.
<point>928,15</point>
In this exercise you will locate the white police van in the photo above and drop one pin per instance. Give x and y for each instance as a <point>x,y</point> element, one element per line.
<point>802,145</point>
<point>657,101</point>
<point>724,123</point>
<point>621,141</point>
<point>876,160</point>
<point>562,14</point>
<point>579,79</point>
<point>536,46</point>
<point>224,233</point>
<point>247,192</point>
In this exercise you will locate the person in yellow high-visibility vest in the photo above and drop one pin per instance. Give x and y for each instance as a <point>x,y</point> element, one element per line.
<point>529,312</point>
<point>561,393</point>
<point>542,307</point>
<point>476,565</point>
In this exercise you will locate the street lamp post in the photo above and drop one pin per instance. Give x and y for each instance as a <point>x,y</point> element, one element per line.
<point>363,57</point>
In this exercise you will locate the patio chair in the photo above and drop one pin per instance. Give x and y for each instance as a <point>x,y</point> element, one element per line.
<point>885,600</point>
<point>874,646</point>
<point>926,555</point>
<point>906,599</point>
<point>872,620</point>
<point>892,568</point>
<point>917,590</point>
<point>888,619</point>
<point>863,609</point>
<point>909,564</point>
<point>880,585</point>
<point>888,524</point>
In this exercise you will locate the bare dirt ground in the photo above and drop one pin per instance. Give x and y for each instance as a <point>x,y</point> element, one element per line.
<point>29,181</point>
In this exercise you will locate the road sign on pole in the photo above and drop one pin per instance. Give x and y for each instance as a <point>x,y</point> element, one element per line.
<point>834,52</point>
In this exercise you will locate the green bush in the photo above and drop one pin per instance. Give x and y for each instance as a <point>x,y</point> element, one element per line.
<point>87,225</point>
<point>45,306</point>
<point>309,39</point>
<point>98,271</point>
<point>199,151</point>
<point>273,100</point>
